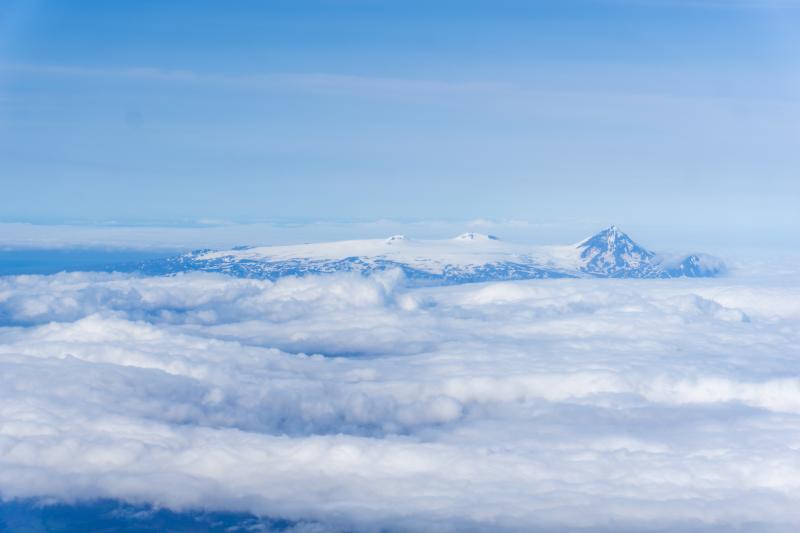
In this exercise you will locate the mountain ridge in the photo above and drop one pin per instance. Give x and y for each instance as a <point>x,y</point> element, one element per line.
<point>467,258</point>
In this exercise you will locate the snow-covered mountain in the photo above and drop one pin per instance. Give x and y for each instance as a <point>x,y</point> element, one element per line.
<point>612,254</point>
<point>471,257</point>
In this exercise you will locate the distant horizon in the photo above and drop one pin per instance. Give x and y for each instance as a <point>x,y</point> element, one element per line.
<point>157,239</point>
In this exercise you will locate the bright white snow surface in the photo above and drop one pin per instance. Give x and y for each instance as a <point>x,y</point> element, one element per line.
<point>426,255</point>
<point>358,404</point>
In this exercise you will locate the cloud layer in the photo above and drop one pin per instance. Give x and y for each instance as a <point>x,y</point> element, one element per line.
<point>360,404</point>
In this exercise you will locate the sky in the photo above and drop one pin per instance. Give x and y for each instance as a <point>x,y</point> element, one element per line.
<point>663,116</point>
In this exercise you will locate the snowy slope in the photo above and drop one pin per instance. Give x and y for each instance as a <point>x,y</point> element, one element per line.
<point>470,257</point>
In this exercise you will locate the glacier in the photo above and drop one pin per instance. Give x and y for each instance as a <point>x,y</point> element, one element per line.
<point>468,258</point>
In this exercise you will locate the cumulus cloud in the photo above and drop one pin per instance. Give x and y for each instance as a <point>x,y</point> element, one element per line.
<point>359,403</point>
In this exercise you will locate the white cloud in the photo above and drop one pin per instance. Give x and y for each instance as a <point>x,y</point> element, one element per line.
<point>552,404</point>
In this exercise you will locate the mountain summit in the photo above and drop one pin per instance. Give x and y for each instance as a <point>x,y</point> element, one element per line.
<point>611,253</point>
<point>607,254</point>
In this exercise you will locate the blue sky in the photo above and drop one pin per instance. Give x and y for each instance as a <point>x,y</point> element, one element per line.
<point>667,114</point>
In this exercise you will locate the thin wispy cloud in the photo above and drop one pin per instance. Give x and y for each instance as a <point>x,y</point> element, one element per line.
<point>326,82</point>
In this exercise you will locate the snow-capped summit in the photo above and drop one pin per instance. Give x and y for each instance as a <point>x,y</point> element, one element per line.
<point>611,252</point>
<point>476,237</point>
<point>470,257</point>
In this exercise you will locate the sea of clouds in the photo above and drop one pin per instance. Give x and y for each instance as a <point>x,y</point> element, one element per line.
<point>347,403</point>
